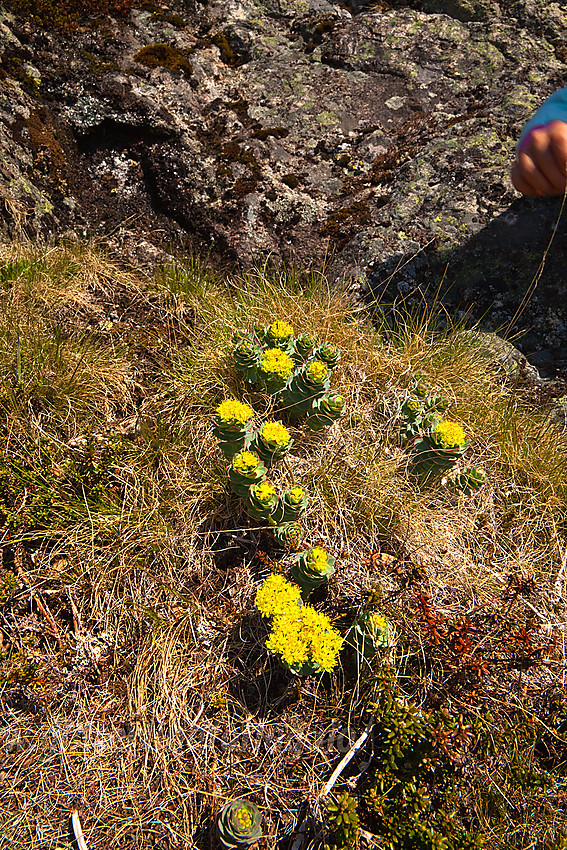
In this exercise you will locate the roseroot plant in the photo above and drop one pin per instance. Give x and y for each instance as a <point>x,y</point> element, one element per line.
<point>469,480</point>
<point>246,357</point>
<point>329,353</point>
<point>297,369</point>
<point>238,825</point>
<point>305,386</point>
<point>369,634</point>
<point>246,469</point>
<point>233,426</point>
<point>440,448</point>
<point>303,347</point>
<point>278,335</point>
<point>304,641</point>
<point>261,500</point>
<point>420,385</point>
<point>271,441</point>
<point>325,411</point>
<point>274,368</point>
<point>276,596</point>
<point>420,414</point>
<point>301,638</point>
<point>291,505</point>
<point>312,568</point>
<point>289,535</point>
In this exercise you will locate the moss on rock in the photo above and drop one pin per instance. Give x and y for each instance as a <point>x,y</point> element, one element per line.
<point>164,56</point>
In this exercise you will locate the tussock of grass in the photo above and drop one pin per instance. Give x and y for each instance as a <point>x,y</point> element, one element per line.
<point>134,672</point>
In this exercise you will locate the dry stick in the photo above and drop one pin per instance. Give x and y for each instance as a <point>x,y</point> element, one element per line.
<point>299,835</point>
<point>76,615</point>
<point>345,760</point>
<point>535,280</point>
<point>42,608</point>
<point>78,830</point>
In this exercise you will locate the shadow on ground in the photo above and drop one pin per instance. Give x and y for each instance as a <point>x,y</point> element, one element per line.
<point>494,280</point>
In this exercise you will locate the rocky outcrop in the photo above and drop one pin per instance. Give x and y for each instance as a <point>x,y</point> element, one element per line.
<point>375,140</point>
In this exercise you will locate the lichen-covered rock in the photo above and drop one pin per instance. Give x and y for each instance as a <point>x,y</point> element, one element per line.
<point>378,141</point>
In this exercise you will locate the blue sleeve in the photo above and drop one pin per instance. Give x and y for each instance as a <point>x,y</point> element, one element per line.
<point>552,109</point>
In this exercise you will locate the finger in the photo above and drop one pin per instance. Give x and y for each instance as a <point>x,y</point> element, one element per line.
<point>546,164</point>
<point>547,148</point>
<point>558,144</point>
<point>521,184</point>
<point>533,175</point>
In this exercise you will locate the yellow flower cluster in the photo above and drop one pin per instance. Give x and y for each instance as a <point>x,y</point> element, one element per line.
<point>303,635</point>
<point>317,559</point>
<point>234,412</point>
<point>264,491</point>
<point>281,330</point>
<point>275,433</point>
<point>244,818</point>
<point>448,434</point>
<point>245,462</point>
<point>276,596</point>
<point>274,361</point>
<point>296,494</point>
<point>317,371</point>
<point>219,700</point>
<point>378,623</point>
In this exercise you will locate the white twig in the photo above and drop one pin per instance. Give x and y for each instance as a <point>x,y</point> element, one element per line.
<point>78,830</point>
<point>345,760</point>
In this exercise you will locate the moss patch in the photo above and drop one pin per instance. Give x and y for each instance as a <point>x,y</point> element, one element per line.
<point>263,133</point>
<point>164,56</point>
<point>174,20</point>
<point>243,187</point>
<point>14,67</point>
<point>233,152</point>
<point>291,180</point>
<point>340,224</point>
<point>65,14</point>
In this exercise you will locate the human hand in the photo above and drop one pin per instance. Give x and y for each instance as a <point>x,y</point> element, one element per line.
<point>541,165</point>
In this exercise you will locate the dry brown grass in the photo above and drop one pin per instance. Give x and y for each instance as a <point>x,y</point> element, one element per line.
<point>153,699</point>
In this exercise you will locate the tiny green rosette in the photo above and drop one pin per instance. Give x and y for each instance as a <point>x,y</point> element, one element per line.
<point>246,356</point>
<point>303,347</point>
<point>261,500</point>
<point>290,505</point>
<point>238,825</point>
<point>289,535</point>
<point>271,442</point>
<point>312,569</point>
<point>246,469</point>
<point>420,385</point>
<point>325,411</point>
<point>369,634</point>
<point>329,353</point>
<point>471,479</point>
